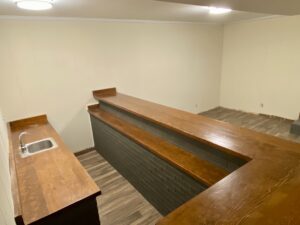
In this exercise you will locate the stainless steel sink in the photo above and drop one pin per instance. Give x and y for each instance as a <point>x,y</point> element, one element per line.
<point>39,146</point>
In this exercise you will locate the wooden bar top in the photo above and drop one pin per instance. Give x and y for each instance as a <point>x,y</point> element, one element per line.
<point>200,170</point>
<point>49,181</point>
<point>266,190</point>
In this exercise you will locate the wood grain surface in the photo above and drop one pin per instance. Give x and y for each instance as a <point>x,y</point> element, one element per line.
<point>49,181</point>
<point>105,92</point>
<point>201,170</point>
<point>263,191</point>
<point>120,203</point>
<point>234,140</point>
<point>28,122</point>
<point>14,182</point>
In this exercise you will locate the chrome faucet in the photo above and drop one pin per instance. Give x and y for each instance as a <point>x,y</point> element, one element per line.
<point>22,144</point>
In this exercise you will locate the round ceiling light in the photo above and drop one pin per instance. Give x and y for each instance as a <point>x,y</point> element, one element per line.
<point>34,4</point>
<point>216,10</point>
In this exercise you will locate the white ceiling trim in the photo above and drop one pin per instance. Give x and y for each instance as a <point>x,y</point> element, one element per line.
<point>274,7</point>
<point>258,19</point>
<point>48,18</point>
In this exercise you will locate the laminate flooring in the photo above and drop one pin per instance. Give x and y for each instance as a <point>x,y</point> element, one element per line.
<point>271,125</point>
<point>120,203</point>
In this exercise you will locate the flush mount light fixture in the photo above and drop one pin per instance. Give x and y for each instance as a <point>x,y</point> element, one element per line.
<point>34,4</point>
<point>216,10</point>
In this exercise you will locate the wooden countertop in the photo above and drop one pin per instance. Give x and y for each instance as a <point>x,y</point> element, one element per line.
<point>49,181</point>
<point>266,190</point>
<point>199,169</point>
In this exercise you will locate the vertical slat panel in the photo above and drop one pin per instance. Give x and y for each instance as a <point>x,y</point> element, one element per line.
<point>163,185</point>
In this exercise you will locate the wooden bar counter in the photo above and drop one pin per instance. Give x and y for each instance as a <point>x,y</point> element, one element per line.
<point>265,190</point>
<point>50,187</point>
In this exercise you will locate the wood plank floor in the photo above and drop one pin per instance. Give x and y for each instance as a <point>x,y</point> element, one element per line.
<point>120,203</point>
<point>261,123</point>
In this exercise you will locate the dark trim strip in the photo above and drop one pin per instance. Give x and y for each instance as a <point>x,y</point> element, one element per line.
<point>84,151</point>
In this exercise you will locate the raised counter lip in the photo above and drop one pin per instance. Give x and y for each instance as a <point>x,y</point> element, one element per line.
<point>24,199</point>
<point>201,170</point>
<point>263,191</point>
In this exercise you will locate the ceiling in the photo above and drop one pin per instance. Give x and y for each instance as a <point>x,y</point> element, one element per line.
<point>130,10</point>
<point>278,7</point>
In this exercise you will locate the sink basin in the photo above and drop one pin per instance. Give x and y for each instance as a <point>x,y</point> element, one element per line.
<point>39,146</point>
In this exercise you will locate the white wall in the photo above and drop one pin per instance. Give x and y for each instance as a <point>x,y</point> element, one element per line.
<point>51,67</point>
<point>261,65</point>
<point>6,205</point>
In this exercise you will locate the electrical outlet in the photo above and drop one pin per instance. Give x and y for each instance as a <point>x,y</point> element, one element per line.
<point>261,105</point>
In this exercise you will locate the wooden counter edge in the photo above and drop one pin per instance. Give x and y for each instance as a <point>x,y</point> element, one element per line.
<point>105,92</point>
<point>14,182</point>
<point>27,122</point>
<point>14,126</point>
<point>219,173</point>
